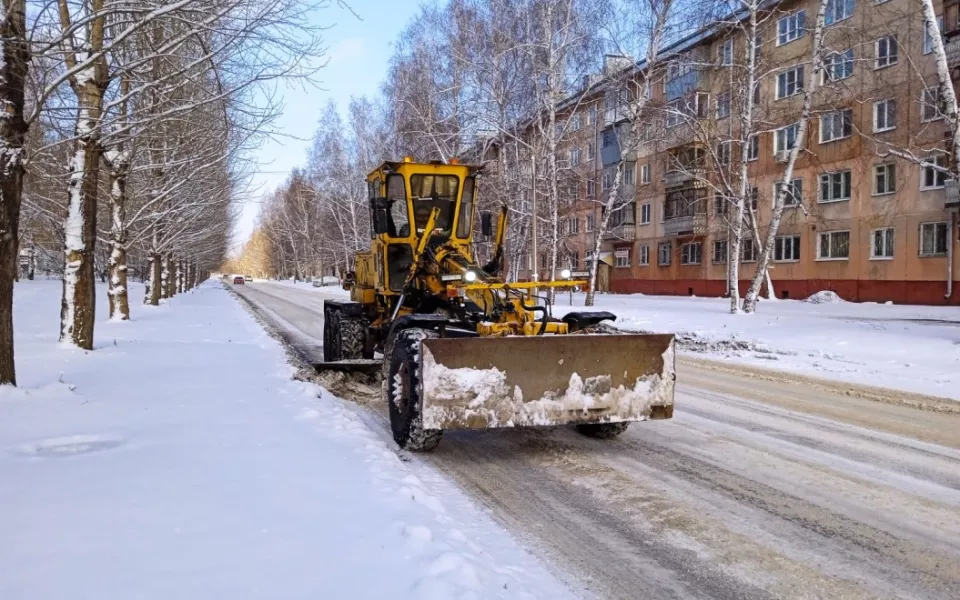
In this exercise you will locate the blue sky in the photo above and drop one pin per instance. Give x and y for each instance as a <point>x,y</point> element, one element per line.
<point>358,51</point>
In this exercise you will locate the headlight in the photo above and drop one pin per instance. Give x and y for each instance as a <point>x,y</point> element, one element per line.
<point>470,276</point>
<point>565,273</point>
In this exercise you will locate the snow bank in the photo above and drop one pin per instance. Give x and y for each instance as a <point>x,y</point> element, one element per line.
<point>179,460</point>
<point>911,348</point>
<point>825,297</point>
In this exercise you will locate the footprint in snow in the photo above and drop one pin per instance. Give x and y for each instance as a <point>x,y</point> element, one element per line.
<point>70,445</point>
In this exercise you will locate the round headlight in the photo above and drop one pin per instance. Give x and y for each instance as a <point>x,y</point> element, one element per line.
<point>470,276</point>
<point>565,273</point>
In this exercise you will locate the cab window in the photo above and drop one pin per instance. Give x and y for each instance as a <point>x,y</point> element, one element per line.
<point>397,198</point>
<point>434,191</point>
<point>465,220</point>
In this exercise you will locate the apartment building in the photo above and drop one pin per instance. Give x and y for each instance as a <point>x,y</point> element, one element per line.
<point>865,217</point>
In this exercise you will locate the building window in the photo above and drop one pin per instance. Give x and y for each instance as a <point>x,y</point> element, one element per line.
<point>645,213</point>
<point>643,255</point>
<point>575,122</point>
<point>881,246</point>
<point>884,115</point>
<point>573,225</point>
<point>725,53</point>
<point>887,52</point>
<point>790,82</point>
<point>723,152</point>
<point>753,147</point>
<point>836,186</point>
<point>690,253</point>
<point>791,27</point>
<point>934,178</point>
<point>836,125</point>
<point>933,239</point>
<point>786,138</point>
<point>927,40</point>
<point>562,226</point>
<point>834,245</point>
<point>837,66</point>
<point>664,251</point>
<point>748,251</point>
<point>721,204</point>
<point>591,151</point>
<point>645,174</point>
<point>794,192</point>
<point>838,10</point>
<point>591,188</point>
<point>720,252</point>
<point>629,173</point>
<point>621,257</point>
<point>607,181</point>
<point>884,179</point>
<point>786,248</point>
<point>930,104</point>
<point>590,223</point>
<point>592,114</point>
<point>575,157</point>
<point>723,105</point>
<point>754,198</point>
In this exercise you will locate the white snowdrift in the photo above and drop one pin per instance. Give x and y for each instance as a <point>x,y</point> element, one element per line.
<point>179,460</point>
<point>824,297</point>
<point>911,348</point>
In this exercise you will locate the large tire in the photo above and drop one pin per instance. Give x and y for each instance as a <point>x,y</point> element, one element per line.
<point>602,431</point>
<point>404,393</point>
<point>343,337</point>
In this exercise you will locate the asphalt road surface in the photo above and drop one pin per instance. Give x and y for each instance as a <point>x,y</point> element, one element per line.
<point>759,487</point>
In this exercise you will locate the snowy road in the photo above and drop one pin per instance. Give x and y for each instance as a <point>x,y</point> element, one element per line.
<point>758,488</point>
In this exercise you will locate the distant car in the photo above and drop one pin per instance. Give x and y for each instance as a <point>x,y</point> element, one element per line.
<point>238,280</point>
<point>249,278</point>
<point>317,283</point>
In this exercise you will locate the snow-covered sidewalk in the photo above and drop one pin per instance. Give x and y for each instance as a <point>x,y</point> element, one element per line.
<point>911,348</point>
<point>179,460</point>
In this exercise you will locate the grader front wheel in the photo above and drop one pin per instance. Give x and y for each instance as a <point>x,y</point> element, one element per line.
<point>404,394</point>
<point>602,431</point>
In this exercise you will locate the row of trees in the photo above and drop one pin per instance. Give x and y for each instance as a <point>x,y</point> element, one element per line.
<point>497,81</point>
<point>151,105</point>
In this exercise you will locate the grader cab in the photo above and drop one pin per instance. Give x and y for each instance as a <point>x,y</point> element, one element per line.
<point>460,348</point>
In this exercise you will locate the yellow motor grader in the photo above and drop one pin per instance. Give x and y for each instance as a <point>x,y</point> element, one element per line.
<point>463,349</point>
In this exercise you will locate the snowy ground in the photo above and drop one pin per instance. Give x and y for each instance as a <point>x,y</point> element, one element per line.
<point>179,460</point>
<point>912,348</point>
<point>758,487</point>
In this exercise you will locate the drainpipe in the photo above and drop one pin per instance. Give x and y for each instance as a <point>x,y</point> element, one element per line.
<point>950,255</point>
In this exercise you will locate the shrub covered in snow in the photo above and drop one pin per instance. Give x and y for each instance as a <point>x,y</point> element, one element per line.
<point>825,297</point>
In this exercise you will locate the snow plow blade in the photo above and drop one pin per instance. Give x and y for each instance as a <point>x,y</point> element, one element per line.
<point>480,383</point>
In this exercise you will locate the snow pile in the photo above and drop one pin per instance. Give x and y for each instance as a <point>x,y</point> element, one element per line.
<point>469,397</point>
<point>179,460</point>
<point>825,297</point>
<point>902,347</point>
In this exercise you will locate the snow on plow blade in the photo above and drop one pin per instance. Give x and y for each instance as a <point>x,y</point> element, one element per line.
<point>479,383</point>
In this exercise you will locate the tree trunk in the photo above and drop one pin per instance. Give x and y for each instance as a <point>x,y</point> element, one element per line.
<point>165,277</point>
<point>155,285</point>
<point>117,291</point>
<point>78,308</point>
<point>761,275</point>
<point>13,130</point>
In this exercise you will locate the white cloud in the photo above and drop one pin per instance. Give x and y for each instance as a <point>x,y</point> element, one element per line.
<point>347,50</point>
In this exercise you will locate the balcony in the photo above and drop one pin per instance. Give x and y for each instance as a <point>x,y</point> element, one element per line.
<point>680,177</point>
<point>695,224</point>
<point>953,52</point>
<point>952,190</point>
<point>623,232</point>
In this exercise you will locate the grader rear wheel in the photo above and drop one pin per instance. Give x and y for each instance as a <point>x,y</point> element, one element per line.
<point>343,336</point>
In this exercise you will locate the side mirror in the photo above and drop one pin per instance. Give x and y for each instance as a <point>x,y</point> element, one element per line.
<point>486,224</point>
<point>381,216</point>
